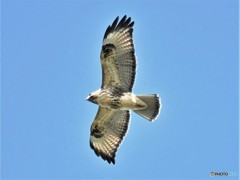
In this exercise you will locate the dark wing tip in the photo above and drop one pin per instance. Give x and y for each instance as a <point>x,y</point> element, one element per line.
<point>108,158</point>
<point>123,23</point>
<point>105,157</point>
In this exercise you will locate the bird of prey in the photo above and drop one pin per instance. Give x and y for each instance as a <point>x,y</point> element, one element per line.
<point>115,97</point>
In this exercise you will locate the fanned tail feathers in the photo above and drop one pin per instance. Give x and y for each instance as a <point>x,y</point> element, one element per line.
<point>154,106</point>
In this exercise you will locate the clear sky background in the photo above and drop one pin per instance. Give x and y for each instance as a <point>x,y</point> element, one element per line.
<point>187,52</point>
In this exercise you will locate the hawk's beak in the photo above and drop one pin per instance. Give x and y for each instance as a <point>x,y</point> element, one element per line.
<point>87,99</point>
<point>91,99</point>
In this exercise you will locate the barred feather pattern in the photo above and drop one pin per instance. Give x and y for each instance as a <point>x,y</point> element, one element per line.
<point>118,55</point>
<point>108,131</point>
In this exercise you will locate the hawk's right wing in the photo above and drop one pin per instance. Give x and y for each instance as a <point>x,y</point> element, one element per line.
<point>107,132</point>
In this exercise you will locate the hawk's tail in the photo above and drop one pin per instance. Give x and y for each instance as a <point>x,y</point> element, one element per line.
<point>154,106</point>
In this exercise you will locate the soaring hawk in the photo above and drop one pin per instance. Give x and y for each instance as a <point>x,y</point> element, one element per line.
<point>115,97</point>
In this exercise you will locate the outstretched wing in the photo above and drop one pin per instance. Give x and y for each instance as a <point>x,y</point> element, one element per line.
<point>107,132</point>
<point>117,56</point>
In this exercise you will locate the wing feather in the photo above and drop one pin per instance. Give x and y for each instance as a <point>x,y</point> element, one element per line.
<point>118,55</point>
<point>107,132</point>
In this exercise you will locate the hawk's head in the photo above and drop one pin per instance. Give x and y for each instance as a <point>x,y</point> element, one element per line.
<point>93,96</point>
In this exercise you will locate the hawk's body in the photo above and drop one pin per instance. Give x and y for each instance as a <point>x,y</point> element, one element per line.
<point>114,97</point>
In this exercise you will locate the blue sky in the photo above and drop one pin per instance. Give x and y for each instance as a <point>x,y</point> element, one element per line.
<point>187,52</point>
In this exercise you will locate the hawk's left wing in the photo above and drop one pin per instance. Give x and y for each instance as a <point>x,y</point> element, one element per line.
<point>118,55</point>
<point>107,132</point>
